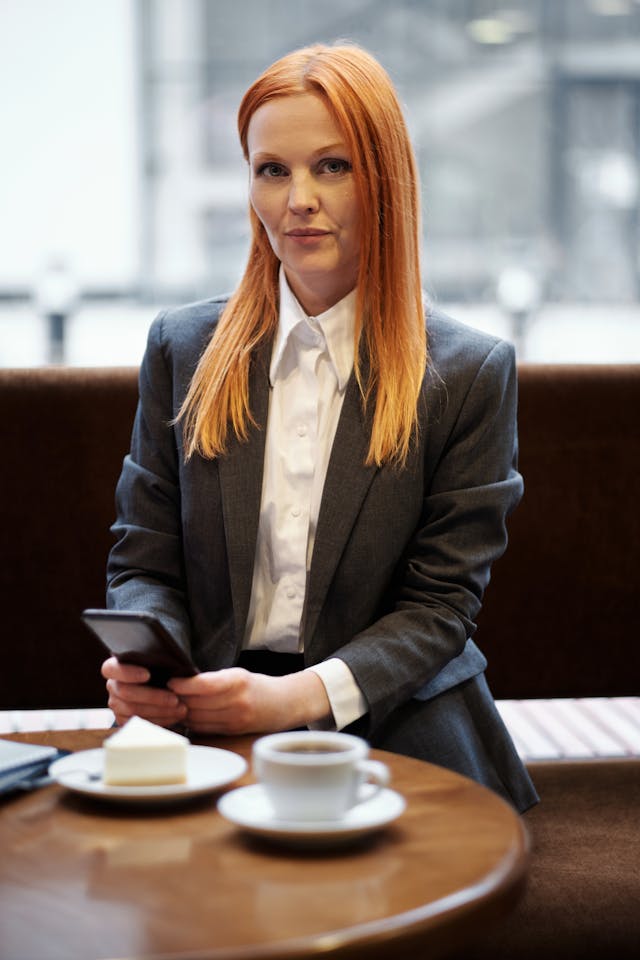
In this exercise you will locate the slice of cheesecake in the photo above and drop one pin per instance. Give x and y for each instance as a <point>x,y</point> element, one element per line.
<point>144,754</point>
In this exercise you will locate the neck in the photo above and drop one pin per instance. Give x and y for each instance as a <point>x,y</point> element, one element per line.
<point>316,300</point>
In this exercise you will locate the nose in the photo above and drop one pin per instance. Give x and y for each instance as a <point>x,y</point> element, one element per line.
<point>303,197</point>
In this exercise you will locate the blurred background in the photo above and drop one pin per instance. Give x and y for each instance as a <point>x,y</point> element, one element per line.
<point>123,189</point>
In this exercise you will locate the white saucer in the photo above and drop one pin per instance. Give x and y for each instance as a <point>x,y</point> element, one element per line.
<point>208,768</point>
<point>249,808</point>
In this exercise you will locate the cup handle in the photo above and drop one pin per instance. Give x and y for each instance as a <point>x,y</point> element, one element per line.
<point>374,776</point>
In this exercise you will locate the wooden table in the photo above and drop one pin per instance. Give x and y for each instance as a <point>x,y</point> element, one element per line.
<point>81,879</point>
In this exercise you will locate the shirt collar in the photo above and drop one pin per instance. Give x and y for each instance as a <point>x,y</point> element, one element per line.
<point>337,325</point>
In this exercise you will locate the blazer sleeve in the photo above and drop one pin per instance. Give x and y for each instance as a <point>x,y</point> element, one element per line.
<point>420,646</point>
<point>145,566</point>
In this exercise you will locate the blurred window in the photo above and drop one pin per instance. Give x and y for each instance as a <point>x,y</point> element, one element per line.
<point>525,116</point>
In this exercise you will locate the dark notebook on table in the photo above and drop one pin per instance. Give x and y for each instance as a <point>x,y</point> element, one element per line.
<point>24,765</point>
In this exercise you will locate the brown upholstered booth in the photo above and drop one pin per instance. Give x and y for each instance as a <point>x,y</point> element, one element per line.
<point>64,433</point>
<point>559,615</point>
<point>583,892</point>
<point>559,618</point>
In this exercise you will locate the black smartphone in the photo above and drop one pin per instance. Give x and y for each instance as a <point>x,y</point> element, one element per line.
<point>140,638</point>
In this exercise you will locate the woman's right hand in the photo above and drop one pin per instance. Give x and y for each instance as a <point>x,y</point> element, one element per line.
<point>130,695</point>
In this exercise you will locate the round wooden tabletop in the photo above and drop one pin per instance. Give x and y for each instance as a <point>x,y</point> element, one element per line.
<point>87,879</point>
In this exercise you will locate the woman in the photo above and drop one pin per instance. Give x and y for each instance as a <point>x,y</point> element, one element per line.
<point>317,485</point>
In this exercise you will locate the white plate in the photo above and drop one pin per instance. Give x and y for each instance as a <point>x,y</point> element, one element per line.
<point>248,807</point>
<point>207,769</point>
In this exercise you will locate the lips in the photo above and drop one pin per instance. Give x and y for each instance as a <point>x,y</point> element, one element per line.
<point>306,232</point>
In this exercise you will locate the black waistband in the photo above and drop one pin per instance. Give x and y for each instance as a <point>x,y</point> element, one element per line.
<point>272,663</point>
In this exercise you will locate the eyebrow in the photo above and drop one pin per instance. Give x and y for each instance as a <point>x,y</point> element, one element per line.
<point>260,155</point>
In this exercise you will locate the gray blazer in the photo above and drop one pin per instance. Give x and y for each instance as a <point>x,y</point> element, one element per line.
<point>401,557</point>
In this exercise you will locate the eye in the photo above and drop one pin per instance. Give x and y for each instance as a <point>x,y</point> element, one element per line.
<point>271,169</point>
<point>334,165</point>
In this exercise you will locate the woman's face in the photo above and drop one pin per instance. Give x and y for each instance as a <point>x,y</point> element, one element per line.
<point>303,191</point>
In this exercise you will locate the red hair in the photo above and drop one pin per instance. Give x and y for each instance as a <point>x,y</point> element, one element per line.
<point>390,329</point>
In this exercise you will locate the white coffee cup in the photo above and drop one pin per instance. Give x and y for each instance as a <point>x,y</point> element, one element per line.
<point>316,775</point>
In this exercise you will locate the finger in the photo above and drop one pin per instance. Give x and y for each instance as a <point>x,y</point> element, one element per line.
<point>142,695</point>
<point>236,697</point>
<point>158,713</point>
<point>126,672</point>
<point>123,714</point>
<point>232,712</point>
<point>210,683</point>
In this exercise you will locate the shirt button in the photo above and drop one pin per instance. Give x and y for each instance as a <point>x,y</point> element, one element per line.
<point>302,429</point>
<point>296,511</point>
<point>291,592</point>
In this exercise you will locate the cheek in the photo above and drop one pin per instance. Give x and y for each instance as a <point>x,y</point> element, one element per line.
<point>260,206</point>
<point>350,209</point>
<point>256,207</point>
<point>265,213</point>
<point>354,220</point>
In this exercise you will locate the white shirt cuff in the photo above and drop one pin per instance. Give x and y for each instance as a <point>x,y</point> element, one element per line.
<point>345,697</point>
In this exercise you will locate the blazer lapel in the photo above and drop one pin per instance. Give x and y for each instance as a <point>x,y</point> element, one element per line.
<point>240,474</point>
<point>346,485</point>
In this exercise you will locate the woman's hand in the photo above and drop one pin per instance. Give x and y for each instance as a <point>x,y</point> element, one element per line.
<point>129,695</point>
<point>236,701</point>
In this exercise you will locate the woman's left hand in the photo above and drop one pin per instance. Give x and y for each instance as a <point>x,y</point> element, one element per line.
<point>236,701</point>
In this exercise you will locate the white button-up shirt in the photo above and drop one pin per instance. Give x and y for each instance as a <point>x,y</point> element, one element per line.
<point>311,364</point>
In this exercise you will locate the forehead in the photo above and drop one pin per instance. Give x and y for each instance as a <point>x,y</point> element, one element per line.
<point>302,120</point>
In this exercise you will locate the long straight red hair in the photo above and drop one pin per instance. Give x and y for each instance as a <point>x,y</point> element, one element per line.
<point>390,335</point>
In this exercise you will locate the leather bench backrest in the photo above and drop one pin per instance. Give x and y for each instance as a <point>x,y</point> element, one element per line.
<point>64,433</point>
<point>560,614</point>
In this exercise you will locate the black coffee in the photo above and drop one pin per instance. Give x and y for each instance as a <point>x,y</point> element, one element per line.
<point>312,748</point>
